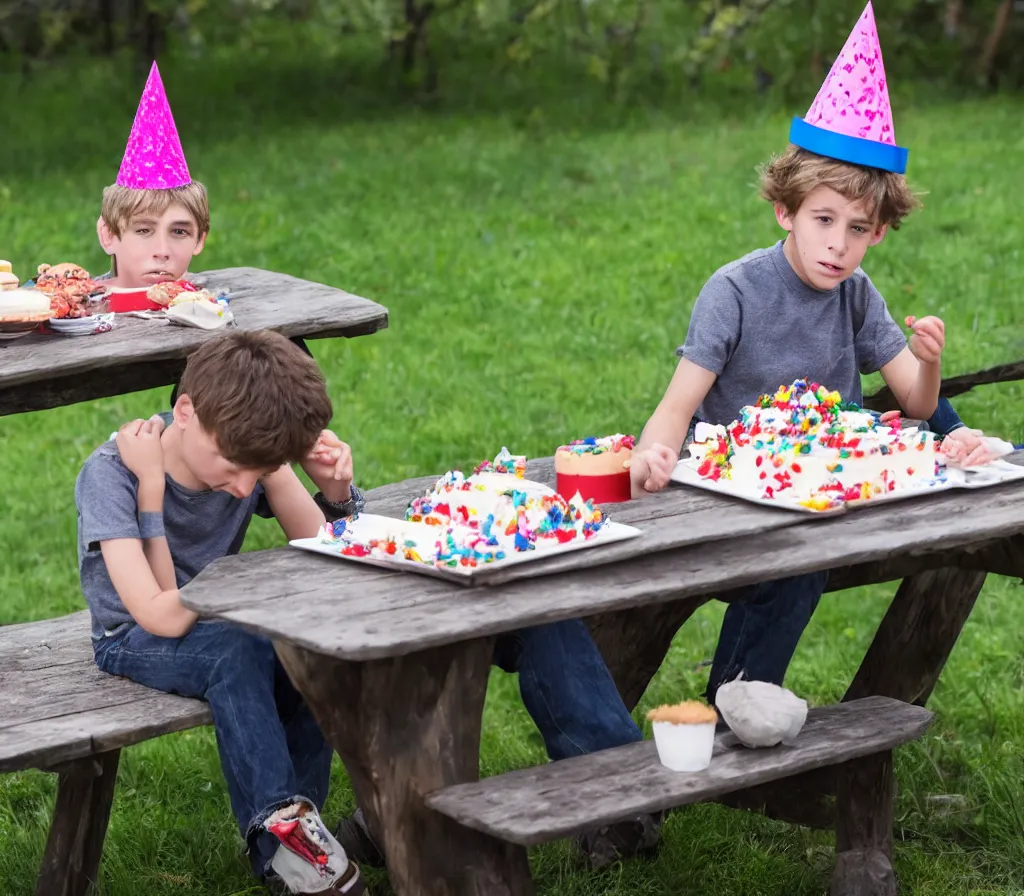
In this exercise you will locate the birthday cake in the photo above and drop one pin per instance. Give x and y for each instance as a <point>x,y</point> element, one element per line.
<point>467,521</point>
<point>804,444</point>
<point>597,468</point>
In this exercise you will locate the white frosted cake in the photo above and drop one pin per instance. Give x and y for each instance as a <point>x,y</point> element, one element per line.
<point>467,521</point>
<point>805,445</point>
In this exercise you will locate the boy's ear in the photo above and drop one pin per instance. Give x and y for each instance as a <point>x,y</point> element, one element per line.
<point>183,410</point>
<point>106,236</point>
<point>200,243</point>
<point>783,216</point>
<point>879,234</point>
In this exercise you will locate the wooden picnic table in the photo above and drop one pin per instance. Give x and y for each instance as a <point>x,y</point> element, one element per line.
<point>47,371</point>
<point>395,665</point>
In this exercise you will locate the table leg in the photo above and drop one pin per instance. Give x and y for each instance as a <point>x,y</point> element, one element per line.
<point>864,820</point>
<point>904,661</point>
<point>917,635</point>
<point>634,642</point>
<point>405,727</point>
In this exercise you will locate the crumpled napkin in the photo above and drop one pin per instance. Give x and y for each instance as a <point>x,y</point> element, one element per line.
<point>761,714</point>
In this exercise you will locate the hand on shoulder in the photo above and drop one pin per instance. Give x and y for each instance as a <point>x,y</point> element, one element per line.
<point>138,443</point>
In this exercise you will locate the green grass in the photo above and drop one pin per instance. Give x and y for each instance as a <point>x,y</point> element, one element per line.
<point>539,257</point>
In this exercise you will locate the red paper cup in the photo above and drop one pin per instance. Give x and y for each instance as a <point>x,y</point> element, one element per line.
<point>121,300</point>
<point>607,489</point>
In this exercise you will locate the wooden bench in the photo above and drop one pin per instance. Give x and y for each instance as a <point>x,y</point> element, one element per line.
<point>61,714</point>
<point>853,740</point>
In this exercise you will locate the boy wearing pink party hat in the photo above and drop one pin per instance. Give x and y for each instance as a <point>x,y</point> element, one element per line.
<point>802,308</point>
<point>155,218</point>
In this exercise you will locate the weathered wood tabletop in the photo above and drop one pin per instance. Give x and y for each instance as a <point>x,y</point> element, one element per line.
<point>46,371</point>
<point>395,665</point>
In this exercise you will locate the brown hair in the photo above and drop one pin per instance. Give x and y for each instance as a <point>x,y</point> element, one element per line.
<point>788,179</point>
<point>260,396</point>
<point>121,204</point>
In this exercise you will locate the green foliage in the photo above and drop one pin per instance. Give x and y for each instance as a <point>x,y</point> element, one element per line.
<point>629,46</point>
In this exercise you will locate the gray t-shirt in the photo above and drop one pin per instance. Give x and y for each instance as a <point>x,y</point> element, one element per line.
<point>758,326</point>
<point>200,527</point>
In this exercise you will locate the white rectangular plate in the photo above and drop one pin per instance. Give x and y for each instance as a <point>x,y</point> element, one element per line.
<point>369,525</point>
<point>993,473</point>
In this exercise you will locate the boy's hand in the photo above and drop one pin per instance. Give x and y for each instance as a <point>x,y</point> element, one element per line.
<point>966,448</point>
<point>928,340</point>
<point>651,469</point>
<point>329,465</point>
<point>138,443</point>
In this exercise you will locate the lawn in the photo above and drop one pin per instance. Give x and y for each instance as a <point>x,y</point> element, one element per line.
<point>539,258</point>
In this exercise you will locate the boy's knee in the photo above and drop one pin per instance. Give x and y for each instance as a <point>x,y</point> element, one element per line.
<point>241,651</point>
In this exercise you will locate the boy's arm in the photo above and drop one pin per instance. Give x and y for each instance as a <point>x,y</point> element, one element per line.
<point>657,452</point>
<point>914,382</point>
<point>158,610</point>
<point>671,418</point>
<point>293,507</point>
<point>151,528</point>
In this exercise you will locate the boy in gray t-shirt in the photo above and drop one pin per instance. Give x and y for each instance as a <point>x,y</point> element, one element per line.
<point>172,494</point>
<point>800,309</point>
<point>164,499</point>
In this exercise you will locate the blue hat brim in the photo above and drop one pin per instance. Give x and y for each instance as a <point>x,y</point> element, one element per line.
<point>855,150</point>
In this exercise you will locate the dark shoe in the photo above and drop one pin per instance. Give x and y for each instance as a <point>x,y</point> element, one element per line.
<point>621,840</point>
<point>359,845</point>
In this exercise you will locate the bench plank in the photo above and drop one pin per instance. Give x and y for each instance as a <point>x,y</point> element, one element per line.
<point>562,798</point>
<point>59,707</point>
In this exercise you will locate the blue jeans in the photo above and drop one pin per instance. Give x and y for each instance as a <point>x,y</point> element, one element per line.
<point>567,688</point>
<point>760,630</point>
<point>271,748</point>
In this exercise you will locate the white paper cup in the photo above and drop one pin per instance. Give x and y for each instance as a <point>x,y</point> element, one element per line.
<point>686,747</point>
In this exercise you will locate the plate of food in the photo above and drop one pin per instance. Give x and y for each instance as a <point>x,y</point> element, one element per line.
<point>805,449</point>
<point>21,312</point>
<point>467,525</point>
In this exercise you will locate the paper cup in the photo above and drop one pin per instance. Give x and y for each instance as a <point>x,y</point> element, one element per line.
<point>684,748</point>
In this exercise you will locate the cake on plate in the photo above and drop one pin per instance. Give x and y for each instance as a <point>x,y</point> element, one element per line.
<point>804,444</point>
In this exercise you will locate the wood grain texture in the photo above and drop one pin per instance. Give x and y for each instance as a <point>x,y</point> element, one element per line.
<point>917,634</point>
<point>404,728</point>
<point>634,642</point>
<point>40,372</point>
<point>85,793</point>
<point>334,607</point>
<point>864,819</point>
<point>562,798</point>
<point>883,399</point>
<point>58,707</point>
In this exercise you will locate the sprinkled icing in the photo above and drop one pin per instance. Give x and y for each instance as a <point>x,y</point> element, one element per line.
<point>805,443</point>
<point>600,445</point>
<point>512,464</point>
<point>477,520</point>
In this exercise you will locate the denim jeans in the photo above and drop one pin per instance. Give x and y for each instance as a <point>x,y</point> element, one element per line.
<point>567,688</point>
<point>271,748</point>
<point>761,629</point>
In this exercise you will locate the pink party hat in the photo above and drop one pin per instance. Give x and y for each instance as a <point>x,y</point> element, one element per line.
<point>850,118</point>
<point>153,159</point>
